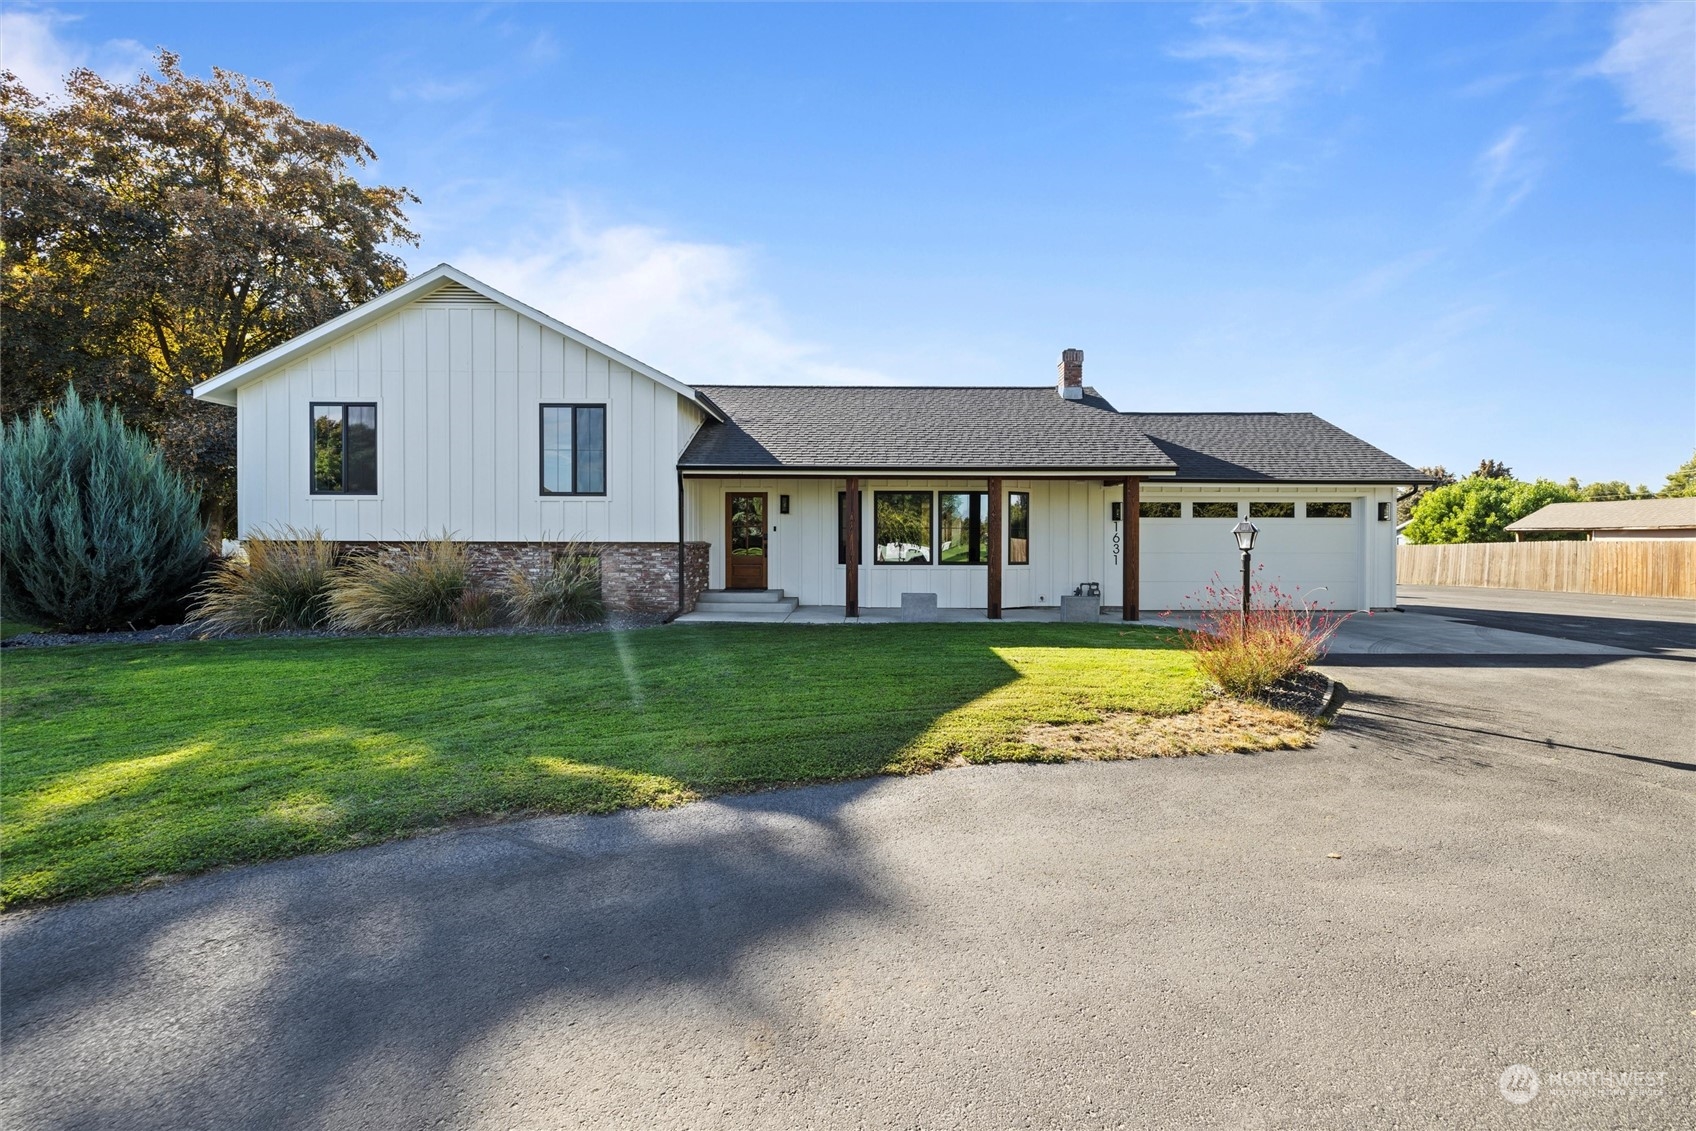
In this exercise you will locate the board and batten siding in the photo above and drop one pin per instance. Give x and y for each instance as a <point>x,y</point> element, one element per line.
<point>458,385</point>
<point>1337,563</point>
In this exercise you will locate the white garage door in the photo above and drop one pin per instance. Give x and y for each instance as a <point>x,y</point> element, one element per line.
<point>1317,560</point>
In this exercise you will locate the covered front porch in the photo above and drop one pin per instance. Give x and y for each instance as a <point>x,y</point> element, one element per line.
<point>1007,546</point>
<point>838,614</point>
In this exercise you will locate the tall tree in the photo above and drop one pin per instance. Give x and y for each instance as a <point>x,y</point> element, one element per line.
<point>1478,508</point>
<point>1681,482</point>
<point>1405,504</point>
<point>159,232</point>
<point>1492,469</point>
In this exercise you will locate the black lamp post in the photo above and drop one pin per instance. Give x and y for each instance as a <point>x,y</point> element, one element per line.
<point>1244,533</point>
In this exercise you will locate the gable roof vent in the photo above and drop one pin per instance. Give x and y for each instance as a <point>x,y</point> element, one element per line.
<point>454,294</point>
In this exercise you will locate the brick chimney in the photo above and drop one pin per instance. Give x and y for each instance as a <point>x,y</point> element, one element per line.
<point>1072,374</point>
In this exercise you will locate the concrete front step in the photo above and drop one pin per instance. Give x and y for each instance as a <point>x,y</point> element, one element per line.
<point>724,615</point>
<point>743,596</point>
<point>739,608</point>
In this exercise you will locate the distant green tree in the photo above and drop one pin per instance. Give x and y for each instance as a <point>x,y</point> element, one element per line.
<point>1682,482</point>
<point>1492,469</point>
<point>1478,509</point>
<point>1607,490</point>
<point>1405,504</point>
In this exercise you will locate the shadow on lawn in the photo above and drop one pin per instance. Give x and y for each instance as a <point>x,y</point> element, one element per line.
<point>348,988</point>
<point>195,755</point>
<point>345,989</point>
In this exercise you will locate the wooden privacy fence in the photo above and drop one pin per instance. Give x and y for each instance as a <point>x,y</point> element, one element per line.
<point>1621,568</point>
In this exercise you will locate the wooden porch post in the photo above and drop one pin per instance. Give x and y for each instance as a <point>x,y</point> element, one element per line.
<point>1131,560</point>
<point>851,538</point>
<point>995,544</point>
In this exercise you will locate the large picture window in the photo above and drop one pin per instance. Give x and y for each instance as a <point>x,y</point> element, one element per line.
<point>901,527</point>
<point>962,535</point>
<point>344,449</point>
<point>574,449</point>
<point>1018,528</point>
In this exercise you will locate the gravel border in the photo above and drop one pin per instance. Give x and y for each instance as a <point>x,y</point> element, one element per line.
<point>184,633</point>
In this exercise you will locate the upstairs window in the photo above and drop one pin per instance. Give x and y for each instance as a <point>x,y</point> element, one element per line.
<point>574,449</point>
<point>963,530</point>
<point>344,449</point>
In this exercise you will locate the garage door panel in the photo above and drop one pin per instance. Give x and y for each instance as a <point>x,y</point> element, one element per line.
<point>1315,561</point>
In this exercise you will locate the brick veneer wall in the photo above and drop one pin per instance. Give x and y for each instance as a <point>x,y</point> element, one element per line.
<point>636,577</point>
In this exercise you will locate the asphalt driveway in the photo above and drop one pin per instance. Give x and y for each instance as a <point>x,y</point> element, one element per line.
<point>1486,862</point>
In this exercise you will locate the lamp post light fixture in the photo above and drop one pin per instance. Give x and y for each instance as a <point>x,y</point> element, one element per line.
<point>1244,533</point>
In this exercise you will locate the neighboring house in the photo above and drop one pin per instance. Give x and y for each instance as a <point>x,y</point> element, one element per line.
<point>445,406</point>
<point>1623,518</point>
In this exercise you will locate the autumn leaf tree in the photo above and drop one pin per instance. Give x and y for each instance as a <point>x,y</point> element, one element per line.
<point>158,232</point>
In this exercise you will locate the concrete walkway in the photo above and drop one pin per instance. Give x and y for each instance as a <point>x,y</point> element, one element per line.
<point>1418,631</point>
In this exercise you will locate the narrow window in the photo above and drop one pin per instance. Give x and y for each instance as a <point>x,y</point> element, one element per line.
<point>344,449</point>
<point>1161,510</point>
<point>962,531</point>
<point>1271,510</point>
<point>1330,510</point>
<point>1018,528</point>
<point>1213,510</point>
<point>574,449</point>
<point>842,531</point>
<point>901,525</point>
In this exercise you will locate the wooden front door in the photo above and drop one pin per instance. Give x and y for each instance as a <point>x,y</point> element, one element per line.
<point>745,535</point>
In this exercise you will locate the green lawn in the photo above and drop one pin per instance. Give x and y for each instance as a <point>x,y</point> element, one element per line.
<point>128,761</point>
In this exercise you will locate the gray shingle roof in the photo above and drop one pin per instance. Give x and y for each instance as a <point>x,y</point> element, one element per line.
<point>1248,447</point>
<point>1614,514</point>
<point>800,427</point>
<point>909,428</point>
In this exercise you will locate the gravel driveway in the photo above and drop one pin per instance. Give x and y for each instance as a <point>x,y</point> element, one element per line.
<point>1487,862</point>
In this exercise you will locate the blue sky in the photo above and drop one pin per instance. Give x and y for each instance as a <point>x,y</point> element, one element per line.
<point>1456,230</point>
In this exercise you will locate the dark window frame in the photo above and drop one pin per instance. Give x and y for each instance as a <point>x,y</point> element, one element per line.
<point>977,518</point>
<point>312,449</point>
<point>1236,511</point>
<point>1346,504</point>
<point>541,452</point>
<point>1144,505</point>
<point>1264,503</point>
<point>1011,560</point>
<point>930,506</point>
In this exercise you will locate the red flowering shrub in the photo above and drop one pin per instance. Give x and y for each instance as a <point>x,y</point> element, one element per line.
<point>1282,635</point>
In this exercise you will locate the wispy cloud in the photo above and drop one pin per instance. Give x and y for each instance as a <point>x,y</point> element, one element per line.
<point>1507,172</point>
<point>37,47</point>
<point>433,90</point>
<point>1653,61</point>
<point>1261,60</point>
<point>693,309</point>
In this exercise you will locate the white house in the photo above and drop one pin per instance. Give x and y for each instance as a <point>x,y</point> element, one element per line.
<point>446,406</point>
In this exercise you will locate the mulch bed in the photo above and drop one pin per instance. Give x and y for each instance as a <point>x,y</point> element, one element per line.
<point>177,633</point>
<point>1304,693</point>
